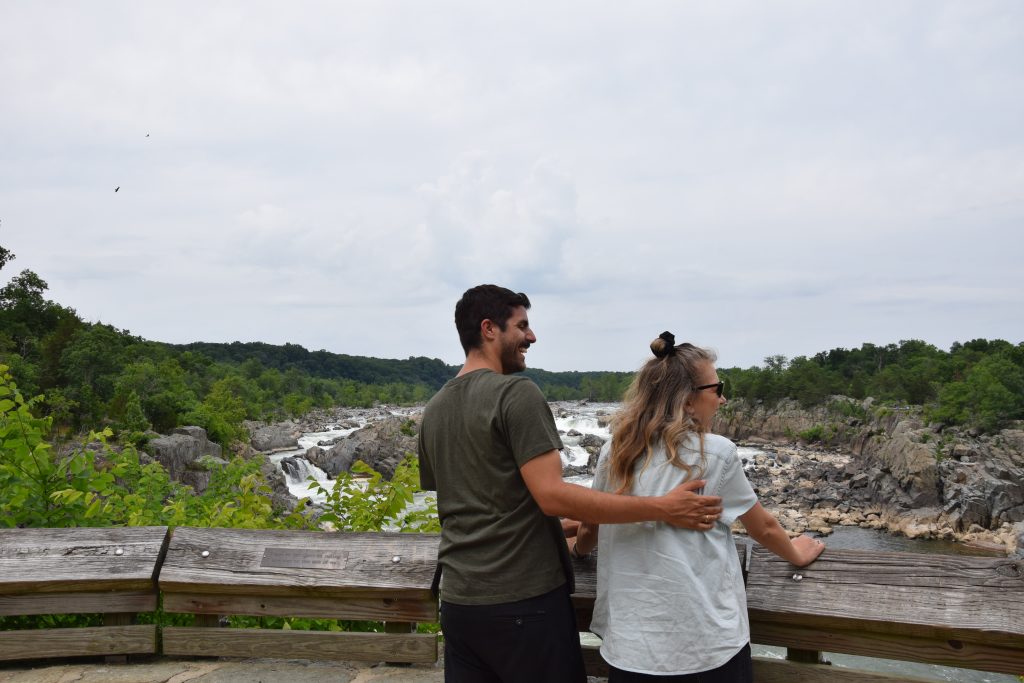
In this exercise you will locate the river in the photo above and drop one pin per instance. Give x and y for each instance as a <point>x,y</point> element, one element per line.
<point>576,421</point>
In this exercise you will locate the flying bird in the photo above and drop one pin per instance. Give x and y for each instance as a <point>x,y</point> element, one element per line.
<point>117,188</point>
<point>147,135</point>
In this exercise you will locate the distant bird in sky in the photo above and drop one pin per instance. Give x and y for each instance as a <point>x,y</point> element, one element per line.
<point>147,135</point>
<point>117,188</point>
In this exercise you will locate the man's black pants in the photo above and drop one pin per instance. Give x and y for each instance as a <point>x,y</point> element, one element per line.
<point>530,641</point>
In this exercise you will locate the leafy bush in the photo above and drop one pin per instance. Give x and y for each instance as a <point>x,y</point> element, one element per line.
<point>376,504</point>
<point>814,434</point>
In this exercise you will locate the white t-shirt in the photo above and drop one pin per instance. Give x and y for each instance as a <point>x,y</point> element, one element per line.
<point>672,601</point>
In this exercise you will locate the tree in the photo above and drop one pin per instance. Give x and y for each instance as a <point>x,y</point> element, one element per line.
<point>25,314</point>
<point>989,397</point>
<point>90,364</point>
<point>133,419</point>
<point>165,394</point>
<point>221,414</point>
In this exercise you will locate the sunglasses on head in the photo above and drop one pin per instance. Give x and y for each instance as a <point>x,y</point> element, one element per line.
<point>719,388</point>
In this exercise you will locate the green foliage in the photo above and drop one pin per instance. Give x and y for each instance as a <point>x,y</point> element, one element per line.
<point>88,373</point>
<point>978,383</point>
<point>570,386</point>
<point>102,486</point>
<point>373,503</point>
<point>297,405</point>
<point>988,397</point>
<point>28,475</point>
<point>813,435</point>
<point>221,414</point>
<point>132,417</point>
<point>847,409</point>
<point>162,387</point>
<point>237,497</point>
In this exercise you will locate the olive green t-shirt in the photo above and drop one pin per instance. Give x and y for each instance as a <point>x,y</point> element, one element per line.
<point>496,543</point>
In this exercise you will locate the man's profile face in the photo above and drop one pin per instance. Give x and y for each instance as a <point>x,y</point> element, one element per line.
<point>515,340</point>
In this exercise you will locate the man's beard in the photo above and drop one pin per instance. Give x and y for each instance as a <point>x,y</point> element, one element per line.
<point>510,360</point>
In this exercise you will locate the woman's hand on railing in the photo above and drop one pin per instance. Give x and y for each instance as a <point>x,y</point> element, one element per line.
<point>807,549</point>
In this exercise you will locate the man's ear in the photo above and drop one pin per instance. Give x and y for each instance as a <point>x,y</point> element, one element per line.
<point>488,330</point>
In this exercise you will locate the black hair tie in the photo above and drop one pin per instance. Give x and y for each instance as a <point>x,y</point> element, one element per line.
<point>670,344</point>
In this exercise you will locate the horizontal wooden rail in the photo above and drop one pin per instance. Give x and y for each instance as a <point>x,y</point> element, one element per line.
<point>937,609</point>
<point>413,648</point>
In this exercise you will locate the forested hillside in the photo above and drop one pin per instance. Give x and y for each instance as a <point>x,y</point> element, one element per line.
<point>93,374</point>
<point>978,383</point>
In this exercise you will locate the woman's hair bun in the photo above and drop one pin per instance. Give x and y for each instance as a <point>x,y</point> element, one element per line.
<point>663,345</point>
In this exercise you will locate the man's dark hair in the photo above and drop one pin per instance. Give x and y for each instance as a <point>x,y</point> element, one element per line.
<point>484,302</point>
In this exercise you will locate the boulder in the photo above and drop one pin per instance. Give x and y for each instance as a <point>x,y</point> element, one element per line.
<point>187,455</point>
<point>381,445</point>
<point>274,437</point>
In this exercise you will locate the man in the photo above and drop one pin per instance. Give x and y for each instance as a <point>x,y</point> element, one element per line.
<point>489,447</point>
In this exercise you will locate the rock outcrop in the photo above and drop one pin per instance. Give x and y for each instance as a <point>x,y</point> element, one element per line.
<point>283,435</point>
<point>916,479</point>
<point>381,445</point>
<point>188,455</point>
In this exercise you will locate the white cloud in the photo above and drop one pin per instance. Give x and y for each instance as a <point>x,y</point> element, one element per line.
<point>768,178</point>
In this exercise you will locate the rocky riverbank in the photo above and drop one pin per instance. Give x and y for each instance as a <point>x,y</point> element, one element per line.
<point>846,463</point>
<point>855,463</point>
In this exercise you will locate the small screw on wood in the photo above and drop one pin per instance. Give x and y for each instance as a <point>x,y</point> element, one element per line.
<point>119,551</point>
<point>798,577</point>
<point>205,553</point>
<point>396,559</point>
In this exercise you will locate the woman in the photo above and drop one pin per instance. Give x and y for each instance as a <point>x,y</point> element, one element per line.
<point>671,605</point>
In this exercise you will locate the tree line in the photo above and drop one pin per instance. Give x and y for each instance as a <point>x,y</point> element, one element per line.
<point>979,383</point>
<point>94,375</point>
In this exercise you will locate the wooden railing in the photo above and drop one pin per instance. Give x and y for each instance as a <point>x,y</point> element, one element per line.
<point>372,577</point>
<point>951,610</point>
<point>80,571</point>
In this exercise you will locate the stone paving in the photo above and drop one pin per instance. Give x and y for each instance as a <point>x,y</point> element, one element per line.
<point>164,670</point>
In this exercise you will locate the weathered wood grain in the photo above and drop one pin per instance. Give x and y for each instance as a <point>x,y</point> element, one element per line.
<point>361,565</point>
<point>79,560</point>
<point>780,671</point>
<point>78,603</point>
<point>368,609</point>
<point>415,648</point>
<point>960,653</point>
<point>933,596</point>
<point>77,642</point>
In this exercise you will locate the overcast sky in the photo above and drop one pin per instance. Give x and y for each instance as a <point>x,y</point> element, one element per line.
<point>758,177</point>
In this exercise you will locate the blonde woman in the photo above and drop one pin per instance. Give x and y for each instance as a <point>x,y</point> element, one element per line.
<point>671,605</point>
